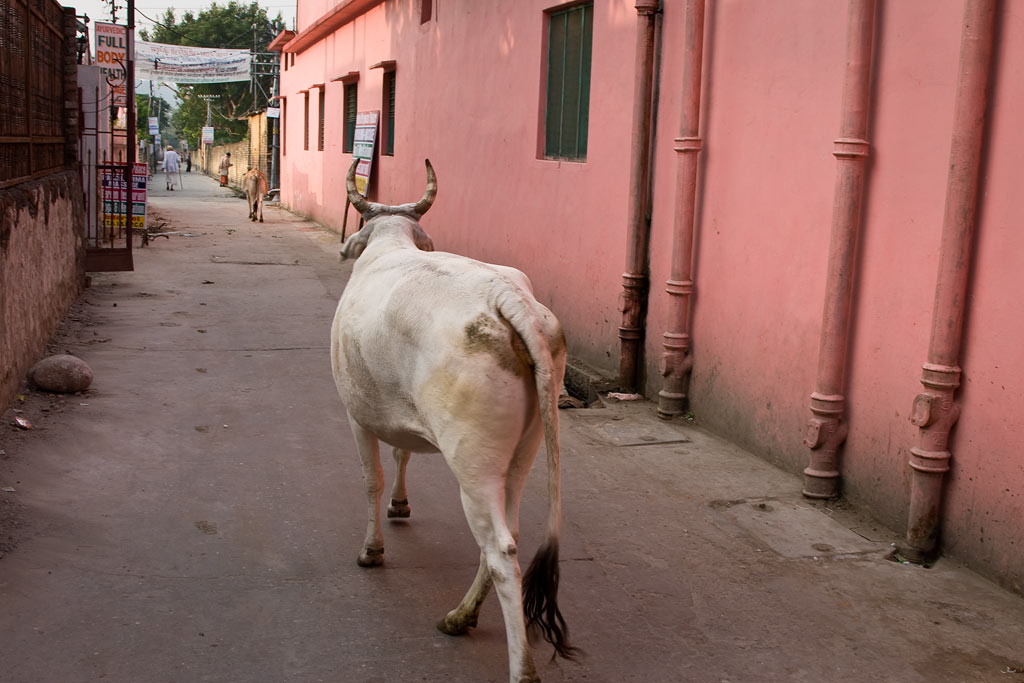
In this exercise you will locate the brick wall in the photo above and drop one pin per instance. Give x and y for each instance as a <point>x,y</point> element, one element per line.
<point>42,244</point>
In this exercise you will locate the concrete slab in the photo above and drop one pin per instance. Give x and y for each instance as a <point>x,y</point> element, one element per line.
<point>611,429</point>
<point>794,530</point>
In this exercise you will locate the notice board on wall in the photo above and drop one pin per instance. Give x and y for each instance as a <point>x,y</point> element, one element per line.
<point>362,147</point>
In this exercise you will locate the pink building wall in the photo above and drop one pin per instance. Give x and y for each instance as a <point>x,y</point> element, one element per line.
<point>470,86</point>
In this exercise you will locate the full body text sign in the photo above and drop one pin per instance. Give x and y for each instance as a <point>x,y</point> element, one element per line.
<point>111,53</point>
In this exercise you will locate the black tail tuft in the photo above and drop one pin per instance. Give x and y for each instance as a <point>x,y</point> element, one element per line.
<point>540,601</point>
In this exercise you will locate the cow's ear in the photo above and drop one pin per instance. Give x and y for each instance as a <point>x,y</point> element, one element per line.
<point>355,244</point>
<point>422,239</point>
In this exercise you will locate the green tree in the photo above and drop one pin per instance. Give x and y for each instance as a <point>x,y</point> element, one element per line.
<point>237,26</point>
<point>163,112</point>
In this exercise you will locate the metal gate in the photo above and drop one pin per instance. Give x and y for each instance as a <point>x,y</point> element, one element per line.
<point>101,152</point>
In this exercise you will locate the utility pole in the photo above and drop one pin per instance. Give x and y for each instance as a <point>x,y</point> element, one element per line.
<point>268,64</point>
<point>275,181</point>
<point>209,122</point>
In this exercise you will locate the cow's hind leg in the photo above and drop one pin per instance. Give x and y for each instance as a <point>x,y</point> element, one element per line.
<point>485,511</point>
<point>372,554</point>
<point>464,617</point>
<point>399,506</point>
<point>261,209</point>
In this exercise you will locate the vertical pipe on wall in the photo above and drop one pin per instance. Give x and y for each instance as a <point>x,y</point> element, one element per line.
<point>826,429</point>
<point>934,410</point>
<point>675,359</point>
<point>634,280</point>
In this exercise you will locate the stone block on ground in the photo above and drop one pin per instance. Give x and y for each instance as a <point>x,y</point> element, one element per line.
<point>61,374</point>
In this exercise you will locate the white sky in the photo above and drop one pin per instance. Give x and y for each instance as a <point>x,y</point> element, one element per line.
<point>99,10</point>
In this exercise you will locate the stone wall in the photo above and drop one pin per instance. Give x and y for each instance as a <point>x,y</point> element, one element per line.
<point>253,152</point>
<point>42,268</point>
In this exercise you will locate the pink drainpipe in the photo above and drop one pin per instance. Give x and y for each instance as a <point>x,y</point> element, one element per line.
<point>826,429</point>
<point>675,360</point>
<point>935,411</point>
<point>634,280</point>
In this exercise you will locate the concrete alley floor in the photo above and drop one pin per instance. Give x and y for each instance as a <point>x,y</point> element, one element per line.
<point>196,515</point>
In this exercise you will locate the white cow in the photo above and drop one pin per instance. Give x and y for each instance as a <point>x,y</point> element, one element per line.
<point>434,352</point>
<point>255,184</point>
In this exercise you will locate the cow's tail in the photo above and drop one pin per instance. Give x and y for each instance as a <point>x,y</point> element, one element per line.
<point>540,582</point>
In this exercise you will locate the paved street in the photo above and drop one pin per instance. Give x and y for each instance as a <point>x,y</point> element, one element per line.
<point>196,515</point>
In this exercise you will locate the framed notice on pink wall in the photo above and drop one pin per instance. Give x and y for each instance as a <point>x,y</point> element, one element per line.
<point>362,147</point>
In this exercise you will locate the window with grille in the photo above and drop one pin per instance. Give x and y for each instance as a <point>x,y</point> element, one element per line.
<point>350,117</point>
<point>567,109</point>
<point>284,126</point>
<point>320,136</point>
<point>388,107</point>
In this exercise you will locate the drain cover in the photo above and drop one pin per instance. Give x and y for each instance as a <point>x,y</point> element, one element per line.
<point>612,432</point>
<point>796,531</point>
<point>253,261</point>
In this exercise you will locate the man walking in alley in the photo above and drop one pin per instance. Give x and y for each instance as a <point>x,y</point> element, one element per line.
<point>225,164</point>
<point>172,164</point>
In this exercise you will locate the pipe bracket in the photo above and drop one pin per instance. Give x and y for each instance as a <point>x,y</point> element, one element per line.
<point>851,148</point>
<point>688,144</point>
<point>827,406</point>
<point>930,462</point>
<point>634,281</point>
<point>679,287</point>
<point>941,377</point>
<point>648,7</point>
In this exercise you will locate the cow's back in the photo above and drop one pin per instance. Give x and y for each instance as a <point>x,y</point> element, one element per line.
<point>418,341</point>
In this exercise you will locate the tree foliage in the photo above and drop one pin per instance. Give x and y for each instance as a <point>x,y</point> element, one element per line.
<point>161,109</point>
<point>235,26</point>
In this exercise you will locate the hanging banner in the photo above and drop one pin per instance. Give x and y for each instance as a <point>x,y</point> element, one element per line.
<point>183,64</point>
<point>111,52</point>
<point>115,204</point>
<point>362,147</point>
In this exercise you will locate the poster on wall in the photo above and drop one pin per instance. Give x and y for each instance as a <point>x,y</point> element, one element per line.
<point>115,206</point>
<point>111,53</point>
<point>362,147</point>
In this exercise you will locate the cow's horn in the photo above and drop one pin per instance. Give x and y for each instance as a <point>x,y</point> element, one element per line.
<point>428,197</point>
<point>358,200</point>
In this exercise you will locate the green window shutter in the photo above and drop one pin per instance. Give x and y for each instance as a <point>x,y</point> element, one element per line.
<point>389,88</point>
<point>350,117</point>
<point>570,41</point>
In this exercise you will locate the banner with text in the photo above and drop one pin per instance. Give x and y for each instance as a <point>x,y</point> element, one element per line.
<point>115,204</point>
<point>183,64</point>
<point>111,52</point>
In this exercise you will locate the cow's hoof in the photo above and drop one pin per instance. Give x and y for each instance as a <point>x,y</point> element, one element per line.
<point>371,557</point>
<point>261,220</point>
<point>454,625</point>
<point>399,509</point>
